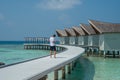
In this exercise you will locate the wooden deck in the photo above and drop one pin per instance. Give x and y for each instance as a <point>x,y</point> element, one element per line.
<point>36,69</point>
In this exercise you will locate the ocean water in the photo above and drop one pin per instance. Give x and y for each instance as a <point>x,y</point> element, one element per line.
<point>87,68</point>
<point>13,52</point>
<point>96,68</point>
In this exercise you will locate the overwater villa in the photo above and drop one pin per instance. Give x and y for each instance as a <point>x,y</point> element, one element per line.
<point>109,35</point>
<point>85,36</point>
<point>80,34</point>
<point>89,30</point>
<point>72,36</point>
<point>93,38</point>
<point>64,39</point>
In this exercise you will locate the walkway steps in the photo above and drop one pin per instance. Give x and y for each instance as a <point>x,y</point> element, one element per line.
<point>36,69</point>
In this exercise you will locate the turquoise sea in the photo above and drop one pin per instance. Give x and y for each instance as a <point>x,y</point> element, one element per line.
<point>88,68</point>
<point>13,52</point>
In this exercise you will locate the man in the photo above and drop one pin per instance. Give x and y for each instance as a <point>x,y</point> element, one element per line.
<point>52,46</point>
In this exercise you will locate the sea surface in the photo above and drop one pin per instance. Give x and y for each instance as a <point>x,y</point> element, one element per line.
<point>87,68</point>
<point>14,52</point>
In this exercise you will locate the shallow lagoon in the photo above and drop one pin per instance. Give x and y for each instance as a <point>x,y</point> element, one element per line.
<point>88,68</point>
<point>12,53</point>
<point>96,68</point>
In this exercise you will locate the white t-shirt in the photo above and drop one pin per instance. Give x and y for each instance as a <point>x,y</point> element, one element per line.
<point>52,41</point>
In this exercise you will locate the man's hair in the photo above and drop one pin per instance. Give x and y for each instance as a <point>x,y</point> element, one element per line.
<point>54,35</point>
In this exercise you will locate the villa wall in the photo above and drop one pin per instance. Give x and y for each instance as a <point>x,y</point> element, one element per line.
<point>86,40</point>
<point>80,40</point>
<point>95,40</point>
<point>90,40</point>
<point>66,40</point>
<point>62,40</point>
<point>101,42</point>
<point>110,41</point>
<point>76,40</point>
<point>72,40</point>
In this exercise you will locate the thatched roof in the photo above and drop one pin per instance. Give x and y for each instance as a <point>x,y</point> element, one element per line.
<point>105,27</point>
<point>70,32</point>
<point>88,29</point>
<point>78,31</point>
<point>61,33</point>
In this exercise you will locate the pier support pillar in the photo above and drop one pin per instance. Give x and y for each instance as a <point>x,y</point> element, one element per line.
<point>113,54</point>
<point>72,66</point>
<point>63,72</point>
<point>69,69</point>
<point>104,54</point>
<point>43,78</point>
<point>56,75</point>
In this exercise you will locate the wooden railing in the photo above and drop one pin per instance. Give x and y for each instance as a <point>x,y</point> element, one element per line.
<point>40,40</point>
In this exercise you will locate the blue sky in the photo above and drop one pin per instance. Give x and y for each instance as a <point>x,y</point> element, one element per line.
<point>39,18</point>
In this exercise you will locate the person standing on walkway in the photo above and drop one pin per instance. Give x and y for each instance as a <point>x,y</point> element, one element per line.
<point>52,45</point>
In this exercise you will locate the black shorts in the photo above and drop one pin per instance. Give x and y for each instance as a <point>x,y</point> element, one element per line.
<point>52,48</point>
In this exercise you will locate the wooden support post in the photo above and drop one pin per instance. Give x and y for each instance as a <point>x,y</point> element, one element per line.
<point>56,75</point>
<point>43,78</point>
<point>63,72</point>
<point>87,52</point>
<point>72,66</point>
<point>104,54</point>
<point>74,63</point>
<point>69,69</point>
<point>113,54</point>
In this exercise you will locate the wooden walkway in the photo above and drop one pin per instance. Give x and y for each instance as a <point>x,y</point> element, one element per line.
<point>36,69</point>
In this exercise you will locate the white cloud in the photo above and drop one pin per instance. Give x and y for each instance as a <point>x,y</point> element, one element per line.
<point>58,4</point>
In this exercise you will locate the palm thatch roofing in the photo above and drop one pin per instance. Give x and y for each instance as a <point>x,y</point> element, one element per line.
<point>70,32</point>
<point>61,33</point>
<point>105,27</point>
<point>78,31</point>
<point>88,29</point>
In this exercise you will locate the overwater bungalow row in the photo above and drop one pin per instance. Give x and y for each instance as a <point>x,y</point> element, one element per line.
<point>92,38</point>
<point>72,36</point>
<point>103,35</point>
<point>80,35</point>
<point>64,39</point>
<point>108,35</point>
<point>89,32</point>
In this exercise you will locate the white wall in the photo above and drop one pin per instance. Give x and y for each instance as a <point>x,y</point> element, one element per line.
<point>90,40</point>
<point>80,40</point>
<point>72,40</point>
<point>112,41</point>
<point>86,40</point>
<point>101,41</point>
<point>95,40</point>
<point>62,40</point>
<point>66,40</point>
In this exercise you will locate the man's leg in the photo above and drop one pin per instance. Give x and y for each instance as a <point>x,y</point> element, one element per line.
<point>54,54</point>
<point>50,54</point>
<point>50,51</point>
